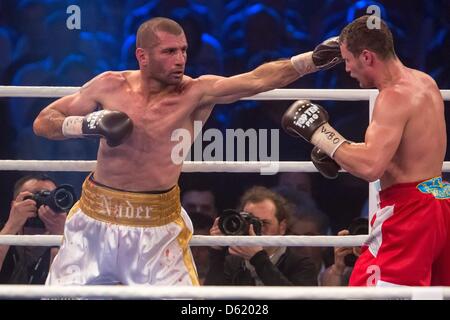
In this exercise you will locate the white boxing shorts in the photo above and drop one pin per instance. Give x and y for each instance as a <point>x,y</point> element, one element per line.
<point>118,237</point>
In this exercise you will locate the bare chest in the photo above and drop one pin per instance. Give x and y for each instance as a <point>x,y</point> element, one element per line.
<point>153,121</point>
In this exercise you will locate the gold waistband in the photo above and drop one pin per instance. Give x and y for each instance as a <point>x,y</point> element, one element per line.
<point>129,208</point>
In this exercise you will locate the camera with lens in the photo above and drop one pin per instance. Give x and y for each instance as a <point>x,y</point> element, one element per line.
<point>236,223</point>
<point>60,200</point>
<point>357,226</point>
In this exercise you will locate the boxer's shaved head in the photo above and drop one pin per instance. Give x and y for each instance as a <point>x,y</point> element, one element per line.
<point>147,37</point>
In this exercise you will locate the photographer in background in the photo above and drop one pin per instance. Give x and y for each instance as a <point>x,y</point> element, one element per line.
<point>266,266</point>
<point>30,265</point>
<point>338,274</point>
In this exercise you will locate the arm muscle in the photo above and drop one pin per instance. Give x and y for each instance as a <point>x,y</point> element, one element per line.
<point>371,158</point>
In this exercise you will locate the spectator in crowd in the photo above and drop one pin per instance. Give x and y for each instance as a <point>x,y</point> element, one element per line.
<point>201,223</point>
<point>312,222</point>
<point>338,274</point>
<point>257,265</point>
<point>199,201</point>
<point>29,265</point>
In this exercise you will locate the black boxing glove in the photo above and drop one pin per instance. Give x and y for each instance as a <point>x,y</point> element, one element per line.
<point>114,126</point>
<point>326,166</point>
<point>310,121</point>
<point>327,54</point>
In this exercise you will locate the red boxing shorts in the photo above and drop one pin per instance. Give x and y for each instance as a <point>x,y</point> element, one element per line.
<point>409,243</point>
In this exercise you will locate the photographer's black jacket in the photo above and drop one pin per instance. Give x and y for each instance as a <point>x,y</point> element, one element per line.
<point>18,268</point>
<point>290,270</point>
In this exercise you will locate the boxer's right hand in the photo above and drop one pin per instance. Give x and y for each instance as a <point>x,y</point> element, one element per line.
<point>310,121</point>
<point>326,166</point>
<point>114,126</point>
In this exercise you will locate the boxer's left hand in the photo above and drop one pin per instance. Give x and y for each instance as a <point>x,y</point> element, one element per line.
<point>310,121</point>
<point>327,54</point>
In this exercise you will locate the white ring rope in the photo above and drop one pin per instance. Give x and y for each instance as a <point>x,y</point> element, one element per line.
<point>48,165</point>
<point>36,91</point>
<point>188,166</point>
<point>288,241</point>
<point>223,293</point>
<point>277,94</point>
<point>209,292</point>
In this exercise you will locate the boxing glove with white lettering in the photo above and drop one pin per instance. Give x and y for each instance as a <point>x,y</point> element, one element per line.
<point>310,121</point>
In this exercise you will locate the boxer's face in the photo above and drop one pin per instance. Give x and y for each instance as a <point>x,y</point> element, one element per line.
<point>356,67</point>
<point>166,60</point>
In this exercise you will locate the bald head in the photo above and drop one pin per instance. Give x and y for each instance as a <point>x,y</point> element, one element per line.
<point>146,35</point>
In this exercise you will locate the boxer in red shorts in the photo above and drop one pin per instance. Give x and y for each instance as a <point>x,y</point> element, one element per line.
<point>408,244</point>
<point>404,147</point>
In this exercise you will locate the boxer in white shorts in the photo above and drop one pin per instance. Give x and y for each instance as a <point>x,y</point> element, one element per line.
<point>118,237</point>
<point>140,112</point>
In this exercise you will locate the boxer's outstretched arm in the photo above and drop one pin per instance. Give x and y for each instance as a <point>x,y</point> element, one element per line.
<point>49,121</point>
<point>370,159</point>
<point>276,74</point>
<point>266,77</point>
